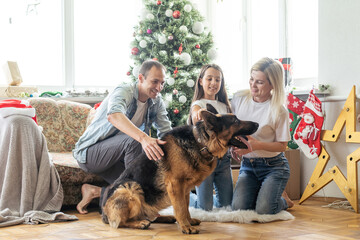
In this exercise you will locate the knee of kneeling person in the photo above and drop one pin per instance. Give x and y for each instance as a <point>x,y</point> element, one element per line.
<point>265,208</point>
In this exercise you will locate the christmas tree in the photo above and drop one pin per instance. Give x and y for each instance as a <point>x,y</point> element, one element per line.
<point>173,32</point>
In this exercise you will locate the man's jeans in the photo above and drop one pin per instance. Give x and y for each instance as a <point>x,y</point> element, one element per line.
<point>221,181</point>
<point>110,157</point>
<point>260,184</point>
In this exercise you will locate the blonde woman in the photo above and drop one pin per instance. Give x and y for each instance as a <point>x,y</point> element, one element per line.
<point>264,170</point>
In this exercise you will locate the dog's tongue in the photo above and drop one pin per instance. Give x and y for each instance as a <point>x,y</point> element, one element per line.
<point>245,141</point>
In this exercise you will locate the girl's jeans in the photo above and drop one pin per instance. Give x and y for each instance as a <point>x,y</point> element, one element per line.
<point>260,184</point>
<point>221,181</point>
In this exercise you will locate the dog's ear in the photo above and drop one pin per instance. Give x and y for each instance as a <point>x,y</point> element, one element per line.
<point>211,121</point>
<point>211,108</point>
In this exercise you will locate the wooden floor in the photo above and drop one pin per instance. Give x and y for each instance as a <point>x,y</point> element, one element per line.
<point>312,221</point>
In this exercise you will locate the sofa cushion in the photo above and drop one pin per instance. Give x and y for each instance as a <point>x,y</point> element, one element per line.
<point>63,122</point>
<point>70,172</point>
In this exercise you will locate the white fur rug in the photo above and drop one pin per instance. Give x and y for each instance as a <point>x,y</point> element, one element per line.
<point>226,215</point>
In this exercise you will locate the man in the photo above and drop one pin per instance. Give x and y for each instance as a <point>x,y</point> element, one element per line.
<point>119,130</point>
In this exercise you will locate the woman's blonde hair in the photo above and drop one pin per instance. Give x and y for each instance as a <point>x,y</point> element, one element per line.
<point>221,96</point>
<point>274,72</point>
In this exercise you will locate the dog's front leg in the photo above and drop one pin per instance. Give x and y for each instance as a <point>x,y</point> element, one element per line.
<point>179,202</point>
<point>193,221</point>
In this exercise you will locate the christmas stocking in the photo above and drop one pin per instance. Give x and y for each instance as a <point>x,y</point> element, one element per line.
<point>295,107</point>
<point>16,107</point>
<point>307,132</point>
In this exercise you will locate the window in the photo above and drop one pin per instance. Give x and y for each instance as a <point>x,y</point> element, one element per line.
<point>248,30</point>
<point>103,31</point>
<point>31,35</point>
<point>68,44</point>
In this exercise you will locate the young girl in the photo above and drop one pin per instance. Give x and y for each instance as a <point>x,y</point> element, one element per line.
<point>210,88</point>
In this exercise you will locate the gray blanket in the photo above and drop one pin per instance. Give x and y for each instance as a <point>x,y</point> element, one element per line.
<point>28,179</point>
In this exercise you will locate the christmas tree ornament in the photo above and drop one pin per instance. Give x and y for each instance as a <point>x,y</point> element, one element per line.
<point>128,73</point>
<point>150,16</point>
<point>162,53</point>
<point>149,31</point>
<point>190,83</point>
<point>187,8</point>
<point>168,13</point>
<point>197,46</point>
<point>175,91</point>
<point>175,72</point>
<point>162,39</point>
<point>198,28</point>
<point>295,107</point>
<point>170,81</point>
<point>186,58</point>
<point>171,37</point>
<point>180,49</point>
<point>158,2</point>
<point>183,29</point>
<point>143,43</point>
<point>182,99</point>
<point>307,132</point>
<point>176,14</point>
<point>212,54</point>
<point>141,31</point>
<point>155,59</point>
<point>176,111</point>
<point>134,51</point>
<point>136,71</point>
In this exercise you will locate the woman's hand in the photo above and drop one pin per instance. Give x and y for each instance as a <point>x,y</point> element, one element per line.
<point>236,153</point>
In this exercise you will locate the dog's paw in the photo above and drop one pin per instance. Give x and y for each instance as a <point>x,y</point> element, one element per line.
<point>194,221</point>
<point>144,224</point>
<point>189,230</point>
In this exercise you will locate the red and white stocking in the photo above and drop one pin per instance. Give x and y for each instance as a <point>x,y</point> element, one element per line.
<point>307,132</point>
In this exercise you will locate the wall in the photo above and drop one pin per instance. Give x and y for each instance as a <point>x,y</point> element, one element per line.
<point>339,66</point>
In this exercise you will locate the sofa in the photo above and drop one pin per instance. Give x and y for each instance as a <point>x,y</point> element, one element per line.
<point>63,122</point>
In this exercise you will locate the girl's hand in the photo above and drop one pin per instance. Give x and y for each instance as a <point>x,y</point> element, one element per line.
<point>198,114</point>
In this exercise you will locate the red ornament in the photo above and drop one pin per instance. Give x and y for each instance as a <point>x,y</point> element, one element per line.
<point>176,14</point>
<point>158,2</point>
<point>149,31</point>
<point>175,72</point>
<point>175,91</point>
<point>155,59</point>
<point>197,46</point>
<point>180,49</point>
<point>176,111</point>
<point>134,51</point>
<point>128,73</point>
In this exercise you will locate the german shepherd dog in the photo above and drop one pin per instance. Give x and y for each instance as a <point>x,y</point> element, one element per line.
<point>190,155</point>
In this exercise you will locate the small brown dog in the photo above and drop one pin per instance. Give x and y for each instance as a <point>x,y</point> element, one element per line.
<point>191,154</point>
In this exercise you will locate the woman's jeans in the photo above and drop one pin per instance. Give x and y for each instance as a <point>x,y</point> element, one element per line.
<point>260,184</point>
<point>221,181</point>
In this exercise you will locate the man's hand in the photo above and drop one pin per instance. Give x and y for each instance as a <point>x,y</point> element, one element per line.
<point>152,148</point>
